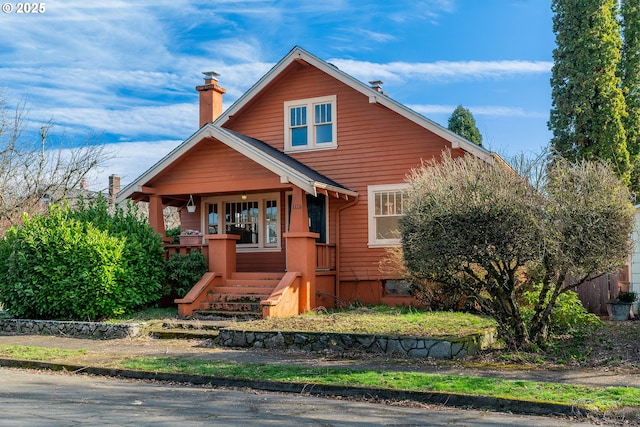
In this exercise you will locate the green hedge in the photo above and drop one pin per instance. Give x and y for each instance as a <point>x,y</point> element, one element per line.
<point>184,271</point>
<point>85,264</point>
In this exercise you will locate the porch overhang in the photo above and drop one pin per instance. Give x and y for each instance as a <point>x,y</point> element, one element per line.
<point>288,169</point>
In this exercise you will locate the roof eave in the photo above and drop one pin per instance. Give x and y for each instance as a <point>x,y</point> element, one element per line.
<point>153,171</point>
<point>286,173</point>
<point>298,53</point>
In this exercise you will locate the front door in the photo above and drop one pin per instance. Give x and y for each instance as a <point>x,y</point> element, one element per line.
<point>317,210</point>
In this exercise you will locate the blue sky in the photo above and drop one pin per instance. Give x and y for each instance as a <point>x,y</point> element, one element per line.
<point>126,70</point>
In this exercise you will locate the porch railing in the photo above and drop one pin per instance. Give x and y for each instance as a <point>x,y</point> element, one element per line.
<point>325,257</point>
<point>325,253</point>
<point>171,249</point>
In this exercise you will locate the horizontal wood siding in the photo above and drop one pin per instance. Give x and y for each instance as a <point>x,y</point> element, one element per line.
<point>261,261</point>
<point>191,221</point>
<point>375,146</point>
<point>212,167</point>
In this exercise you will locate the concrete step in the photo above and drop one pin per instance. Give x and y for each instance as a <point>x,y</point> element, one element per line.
<point>212,314</point>
<point>236,306</point>
<point>255,283</point>
<point>185,334</point>
<point>242,290</point>
<point>239,297</point>
<point>256,276</point>
<point>195,325</point>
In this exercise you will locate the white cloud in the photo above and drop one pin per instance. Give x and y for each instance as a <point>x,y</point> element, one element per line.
<point>129,69</point>
<point>130,160</point>
<point>481,110</point>
<point>440,70</point>
<point>375,36</point>
<point>175,120</point>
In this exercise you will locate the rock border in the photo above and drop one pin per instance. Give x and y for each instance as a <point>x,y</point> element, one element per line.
<point>95,330</point>
<point>437,348</point>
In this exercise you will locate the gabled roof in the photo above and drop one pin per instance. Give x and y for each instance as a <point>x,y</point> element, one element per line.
<point>289,169</point>
<point>299,54</point>
<point>286,167</point>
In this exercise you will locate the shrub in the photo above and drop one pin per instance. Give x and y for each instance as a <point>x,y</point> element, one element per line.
<point>174,234</point>
<point>441,297</point>
<point>568,315</point>
<point>143,251</point>
<point>55,267</point>
<point>429,295</point>
<point>627,297</point>
<point>479,227</point>
<point>184,271</point>
<point>82,265</point>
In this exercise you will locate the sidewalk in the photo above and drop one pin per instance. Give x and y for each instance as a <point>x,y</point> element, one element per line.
<point>103,351</point>
<point>100,354</point>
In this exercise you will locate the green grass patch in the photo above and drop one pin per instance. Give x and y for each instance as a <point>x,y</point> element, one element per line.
<point>592,398</point>
<point>148,314</point>
<point>379,320</point>
<point>37,353</point>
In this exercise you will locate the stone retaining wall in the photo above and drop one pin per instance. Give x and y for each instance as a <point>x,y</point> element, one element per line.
<point>438,348</point>
<point>70,329</point>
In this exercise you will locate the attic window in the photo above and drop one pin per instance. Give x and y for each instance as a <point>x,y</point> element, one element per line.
<point>310,124</point>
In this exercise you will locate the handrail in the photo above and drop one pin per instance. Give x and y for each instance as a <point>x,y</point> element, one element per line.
<point>285,299</point>
<point>197,294</point>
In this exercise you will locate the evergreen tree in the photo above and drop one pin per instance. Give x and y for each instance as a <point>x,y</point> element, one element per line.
<point>462,123</point>
<point>630,75</point>
<point>588,106</point>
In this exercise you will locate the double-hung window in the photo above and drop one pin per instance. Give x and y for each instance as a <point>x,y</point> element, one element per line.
<point>387,203</point>
<point>310,124</point>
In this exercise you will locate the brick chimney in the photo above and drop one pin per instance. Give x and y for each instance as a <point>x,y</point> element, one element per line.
<point>210,98</point>
<point>114,188</point>
<point>377,86</point>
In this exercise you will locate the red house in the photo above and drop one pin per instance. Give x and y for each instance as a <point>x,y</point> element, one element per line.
<point>296,189</point>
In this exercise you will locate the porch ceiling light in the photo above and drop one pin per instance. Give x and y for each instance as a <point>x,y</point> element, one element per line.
<point>244,196</point>
<point>191,206</point>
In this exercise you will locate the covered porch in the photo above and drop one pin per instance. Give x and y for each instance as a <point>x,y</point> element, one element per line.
<point>244,279</point>
<point>258,213</point>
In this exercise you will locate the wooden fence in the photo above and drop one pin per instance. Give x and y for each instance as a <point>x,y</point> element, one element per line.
<point>595,293</point>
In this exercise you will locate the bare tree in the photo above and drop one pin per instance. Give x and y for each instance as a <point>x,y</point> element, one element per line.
<point>36,171</point>
<point>488,232</point>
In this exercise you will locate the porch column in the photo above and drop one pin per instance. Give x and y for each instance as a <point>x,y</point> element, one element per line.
<point>156,214</point>
<point>299,221</point>
<point>222,253</point>
<point>301,249</point>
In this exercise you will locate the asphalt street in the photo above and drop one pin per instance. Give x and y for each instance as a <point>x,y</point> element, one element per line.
<point>39,398</point>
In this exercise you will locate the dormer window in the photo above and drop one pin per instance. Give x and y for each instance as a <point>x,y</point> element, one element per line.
<point>310,124</point>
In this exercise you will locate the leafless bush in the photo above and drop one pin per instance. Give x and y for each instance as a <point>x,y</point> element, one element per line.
<point>37,171</point>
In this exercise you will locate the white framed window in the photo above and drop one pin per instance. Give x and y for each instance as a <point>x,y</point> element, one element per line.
<point>256,220</point>
<point>386,203</point>
<point>310,124</point>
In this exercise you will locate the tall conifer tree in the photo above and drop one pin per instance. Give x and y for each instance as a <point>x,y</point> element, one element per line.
<point>462,123</point>
<point>588,106</point>
<point>630,75</point>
